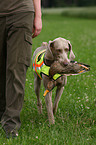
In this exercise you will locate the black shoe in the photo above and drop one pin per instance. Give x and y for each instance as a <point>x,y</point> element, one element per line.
<point>11,134</point>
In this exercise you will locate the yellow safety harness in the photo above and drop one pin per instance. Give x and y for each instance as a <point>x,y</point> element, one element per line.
<point>39,67</point>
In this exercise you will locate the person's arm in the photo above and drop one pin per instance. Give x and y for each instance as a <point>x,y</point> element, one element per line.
<point>37,19</point>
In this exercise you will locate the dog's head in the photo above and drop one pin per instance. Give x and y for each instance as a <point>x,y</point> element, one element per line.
<point>60,48</point>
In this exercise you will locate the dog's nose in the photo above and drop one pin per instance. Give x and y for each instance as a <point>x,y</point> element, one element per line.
<point>65,63</point>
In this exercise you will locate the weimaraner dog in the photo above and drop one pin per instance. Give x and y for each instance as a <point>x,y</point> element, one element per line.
<point>56,50</point>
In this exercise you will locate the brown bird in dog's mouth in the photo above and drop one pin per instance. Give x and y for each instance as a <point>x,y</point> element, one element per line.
<point>72,68</point>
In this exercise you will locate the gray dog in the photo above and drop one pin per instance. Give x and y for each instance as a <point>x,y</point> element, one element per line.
<point>43,57</point>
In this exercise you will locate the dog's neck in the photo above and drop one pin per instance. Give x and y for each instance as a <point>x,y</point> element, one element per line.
<point>48,62</point>
<point>49,59</point>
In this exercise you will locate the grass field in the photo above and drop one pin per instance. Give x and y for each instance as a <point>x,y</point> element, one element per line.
<point>76,116</point>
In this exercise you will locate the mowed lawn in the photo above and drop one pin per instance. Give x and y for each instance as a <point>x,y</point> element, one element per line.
<point>75,121</point>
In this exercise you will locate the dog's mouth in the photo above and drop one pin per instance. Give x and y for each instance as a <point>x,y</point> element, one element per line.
<point>64,63</point>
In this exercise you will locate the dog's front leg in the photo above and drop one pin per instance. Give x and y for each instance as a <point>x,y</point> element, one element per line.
<point>48,100</point>
<point>49,106</point>
<point>59,92</point>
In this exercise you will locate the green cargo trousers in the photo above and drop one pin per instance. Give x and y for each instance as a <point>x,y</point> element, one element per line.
<point>15,58</point>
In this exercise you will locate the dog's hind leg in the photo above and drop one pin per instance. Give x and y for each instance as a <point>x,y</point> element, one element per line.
<point>37,84</point>
<point>59,92</point>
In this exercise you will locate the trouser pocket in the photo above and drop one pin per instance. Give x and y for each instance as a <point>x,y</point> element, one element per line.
<point>26,51</point>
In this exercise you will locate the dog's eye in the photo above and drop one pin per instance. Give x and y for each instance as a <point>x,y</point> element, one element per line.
<point>66,49</point>
<point>59,50</point>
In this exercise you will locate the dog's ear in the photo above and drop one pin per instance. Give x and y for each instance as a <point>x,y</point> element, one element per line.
<point>71,56</point>
<point>50,47</point>
<point>44,43</point>
<point>70,46</point>
<point>51,44</point>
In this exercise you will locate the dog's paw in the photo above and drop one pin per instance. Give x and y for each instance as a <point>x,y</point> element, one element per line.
<point>39,106</point>
<point>51,122</point>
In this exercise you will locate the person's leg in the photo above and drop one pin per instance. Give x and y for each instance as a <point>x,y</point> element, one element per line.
<point>2,64</point>
<point>19,45</point>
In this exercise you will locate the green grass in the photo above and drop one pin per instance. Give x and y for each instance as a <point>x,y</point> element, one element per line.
<point>76,115</point>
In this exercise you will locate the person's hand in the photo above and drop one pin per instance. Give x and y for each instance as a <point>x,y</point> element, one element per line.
<point>37,27</point>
